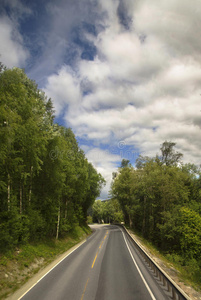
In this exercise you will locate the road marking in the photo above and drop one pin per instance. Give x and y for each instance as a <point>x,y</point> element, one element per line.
<point>148,288</point>
<point>60,262</point>
<point>94,260</point>
<point>98,251</point>
<point>84,289</point>
<point>101,245</point>
<point>80,244</point>
<point>93,266</point>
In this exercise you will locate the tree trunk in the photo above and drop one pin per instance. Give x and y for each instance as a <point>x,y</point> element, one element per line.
<point>20,197</point>
<point>30,186</point>
<point>65,216</point>
<point>144,217</point>
<point>8,192</point>
<point>130,221</point>
<point>58,223</point>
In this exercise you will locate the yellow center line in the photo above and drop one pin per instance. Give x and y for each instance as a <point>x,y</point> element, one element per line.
<point>94,260</point>
<point>93,266</point>
<point>84,289</point>
<point>101,245</point>
<point>97,252</point>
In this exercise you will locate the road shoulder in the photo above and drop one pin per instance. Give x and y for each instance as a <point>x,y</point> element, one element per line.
<point>37,277</point>
<point>169,270</point>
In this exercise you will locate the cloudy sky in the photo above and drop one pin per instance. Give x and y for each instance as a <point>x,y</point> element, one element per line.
<point>125,75</point>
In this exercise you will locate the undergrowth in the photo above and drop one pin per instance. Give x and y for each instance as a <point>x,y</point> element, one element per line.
<point>16,267</point>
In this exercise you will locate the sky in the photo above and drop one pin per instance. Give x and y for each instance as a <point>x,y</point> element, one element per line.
<point>125,75</point>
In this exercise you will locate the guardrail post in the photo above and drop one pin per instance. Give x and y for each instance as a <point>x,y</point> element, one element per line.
<point>172,289</point>
<point>156,272</point>
<point>173,294</point>
<point>168,286</point>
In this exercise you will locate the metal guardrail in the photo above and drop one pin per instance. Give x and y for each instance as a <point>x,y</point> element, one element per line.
<point>176,293</point>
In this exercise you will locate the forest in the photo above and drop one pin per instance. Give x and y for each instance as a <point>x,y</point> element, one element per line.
<point>46,182</point>
<point>161,199</point>
<point>108,211</point>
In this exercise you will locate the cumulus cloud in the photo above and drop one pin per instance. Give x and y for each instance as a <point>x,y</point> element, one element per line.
<point>67,27</point>
<point>175,23</point>
<point>64,88</point>
<point>120,71</point>
<point>143,85</point>
<point>12,49</point>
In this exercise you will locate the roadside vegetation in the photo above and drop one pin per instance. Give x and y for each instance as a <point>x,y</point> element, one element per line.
<point>108,211</point>
<point>46,182</point>
<point>16,267</point>
<point>161,200</point>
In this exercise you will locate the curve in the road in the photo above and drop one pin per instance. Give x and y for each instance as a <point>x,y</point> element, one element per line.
<point>105,267</point>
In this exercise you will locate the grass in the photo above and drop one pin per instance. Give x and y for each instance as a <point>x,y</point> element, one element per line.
<point>16,267</point>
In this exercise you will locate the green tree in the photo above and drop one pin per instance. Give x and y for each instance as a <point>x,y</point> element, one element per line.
<point>121,190</point>
<point>169,155</point>
<point>97,211</point>
<point>46,182</point>
<point>152,195</point>
<point>190,233</point>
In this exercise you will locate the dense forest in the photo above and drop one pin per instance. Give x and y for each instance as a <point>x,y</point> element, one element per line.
<point>161,199</point>
<point>46,182</point>
<point>106,212</point>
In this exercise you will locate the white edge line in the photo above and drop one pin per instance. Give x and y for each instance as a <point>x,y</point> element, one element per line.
<point>161,270</point>
<point>51,270</point>
<point>148,288</point>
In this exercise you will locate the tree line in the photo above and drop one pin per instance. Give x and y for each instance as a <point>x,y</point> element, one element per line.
<point>108,211</point>
<point>161,199</point>
<point>46,182</point>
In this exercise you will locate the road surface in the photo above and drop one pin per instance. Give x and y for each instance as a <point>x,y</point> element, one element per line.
<point>105,267</point>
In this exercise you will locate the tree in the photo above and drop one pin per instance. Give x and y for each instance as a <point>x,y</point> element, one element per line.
<point>169,155</point>
<point>97,211</point>
<point>121,190</point>
<point>107,211</point>
<point>125,163</point>
<point>190,233</point>
<point>46,182</point>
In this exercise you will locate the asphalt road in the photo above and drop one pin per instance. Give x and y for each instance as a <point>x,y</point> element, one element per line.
<point>105,267</point>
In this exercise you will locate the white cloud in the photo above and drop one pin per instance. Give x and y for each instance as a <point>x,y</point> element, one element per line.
<point>12,50</point>
<point>105,163</point>
<point>64,89</point>
<point>95,71</point>
<point>143,86</point>
<point>175,23</point>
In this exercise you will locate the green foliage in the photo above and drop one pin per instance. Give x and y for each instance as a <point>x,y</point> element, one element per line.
<point>161,199</point>
<point>14,230</point>
<point>89,220</point>
<point>169,155</point>
<point>46,182</point>
<point>190,233</point>
<point>29,258</point>
<point>97,209</point>
<point>107,211</point>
